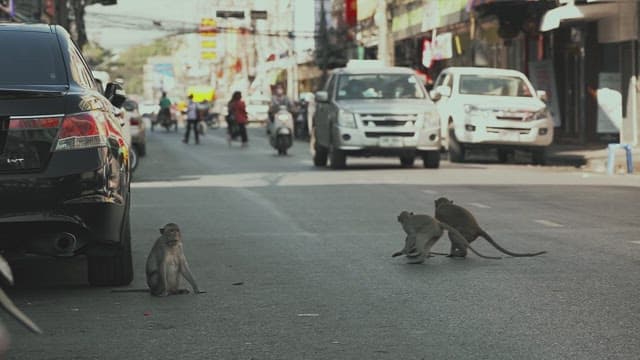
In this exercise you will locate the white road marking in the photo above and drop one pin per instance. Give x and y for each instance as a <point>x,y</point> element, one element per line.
<point>635,242</point>
<point>429,191</point>
<point>481,206</point>
<point>548,223</point>
<point>308,315</point>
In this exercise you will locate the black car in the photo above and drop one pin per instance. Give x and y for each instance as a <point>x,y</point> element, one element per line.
<point>64,164</point>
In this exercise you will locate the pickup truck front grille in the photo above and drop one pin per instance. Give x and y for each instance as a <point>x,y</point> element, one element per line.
<point>388,120</point>
<point>501,129</point>
<point>371,134</point>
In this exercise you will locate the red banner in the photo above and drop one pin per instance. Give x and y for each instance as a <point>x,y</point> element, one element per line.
<point>351,12</point>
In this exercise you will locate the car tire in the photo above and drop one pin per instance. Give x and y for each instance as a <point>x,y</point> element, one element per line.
<point>114,270</point>
<point>320,155</point>
<point>456,149</point>
<point>142,149</point>
<point>133,157</point>
<point>539,156</point>
<point>337,159</point>
<point>431,159</point>
<point>503,155</point>
<point>407,161</point>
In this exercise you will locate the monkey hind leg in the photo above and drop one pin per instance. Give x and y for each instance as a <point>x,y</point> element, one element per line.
<point>156,288</point>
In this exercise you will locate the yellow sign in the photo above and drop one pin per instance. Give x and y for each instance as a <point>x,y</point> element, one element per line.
<point>208,55</point>
<point>208,44</point>
<point>208,22</point>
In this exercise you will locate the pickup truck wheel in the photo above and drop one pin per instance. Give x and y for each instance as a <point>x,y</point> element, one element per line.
<point>407,161</point>
<point>539,156</point>
<point>338,159</point>
<point>431,159</point>
<point>116,270</point>
<point>320,156</point>
<point>503,155</point>
<point>456,150</point>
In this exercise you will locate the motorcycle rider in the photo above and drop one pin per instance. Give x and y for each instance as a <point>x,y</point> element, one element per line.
<point>278,99</point>
<point>165,107</point>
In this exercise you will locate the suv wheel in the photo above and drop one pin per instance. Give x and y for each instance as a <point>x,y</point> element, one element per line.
<point>114,270</point>
<point>407,161</point>
<point>456,150</point>
<point>431,159</point>
<point>320,156</point>
<point>338,159</point>
<point>503,155</point>
<point>539,156</point>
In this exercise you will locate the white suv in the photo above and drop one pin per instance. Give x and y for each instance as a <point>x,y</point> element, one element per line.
<point>489,107</point>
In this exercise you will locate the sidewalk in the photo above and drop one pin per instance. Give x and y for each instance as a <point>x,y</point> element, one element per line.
<point>591,158</point>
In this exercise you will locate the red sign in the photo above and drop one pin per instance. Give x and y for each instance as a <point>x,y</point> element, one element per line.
<point>351,12</point>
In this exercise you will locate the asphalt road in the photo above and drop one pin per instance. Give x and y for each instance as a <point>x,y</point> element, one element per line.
<point>297,264</point>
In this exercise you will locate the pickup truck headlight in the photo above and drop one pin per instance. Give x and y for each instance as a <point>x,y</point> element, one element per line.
<point>431,120</point>
<point>346,119</point>
<point>540,115</point>
<point>472,110</point>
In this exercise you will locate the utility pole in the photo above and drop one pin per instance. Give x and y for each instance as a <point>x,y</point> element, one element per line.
<point>384,50</point>
<point>324,42</point>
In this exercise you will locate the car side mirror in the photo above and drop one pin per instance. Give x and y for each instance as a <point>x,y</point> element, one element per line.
<point>322,96</point>
<point>542,95</point>
<point>115,93</point>
<point>435,96</point>
<point>444,90</point>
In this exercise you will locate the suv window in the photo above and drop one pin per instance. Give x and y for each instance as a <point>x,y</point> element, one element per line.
<point>379,86</point>
<point>31,58</point>
<point>496,85</point>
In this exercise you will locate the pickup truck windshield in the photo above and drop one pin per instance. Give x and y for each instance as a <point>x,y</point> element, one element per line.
<point>494,86</point>
<point>30,58</point>
<point>379,86</point>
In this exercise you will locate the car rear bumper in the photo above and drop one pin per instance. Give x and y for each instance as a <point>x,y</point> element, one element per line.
<point>89,204</point>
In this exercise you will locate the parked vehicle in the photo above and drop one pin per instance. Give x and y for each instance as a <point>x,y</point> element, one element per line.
<point>281,131</point>
<point>367,109</point>
<point>258,108</point>
<point>64,165</point>
<point>137,129</point>
<point>495,108</point>
<point>148,110</point>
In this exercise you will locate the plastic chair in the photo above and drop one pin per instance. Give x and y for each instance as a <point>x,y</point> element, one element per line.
<point>611,159</point>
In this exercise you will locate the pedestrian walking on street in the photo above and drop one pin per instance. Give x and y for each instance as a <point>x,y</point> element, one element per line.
<point>192,120</point>
<point>238,114</point>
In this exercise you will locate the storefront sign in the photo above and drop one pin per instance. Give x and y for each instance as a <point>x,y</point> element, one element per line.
<point>442,47</point>
<point>542,77</point>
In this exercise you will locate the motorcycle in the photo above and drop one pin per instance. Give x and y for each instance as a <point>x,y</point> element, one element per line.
<point>165,120</point>
<point>281,131</point>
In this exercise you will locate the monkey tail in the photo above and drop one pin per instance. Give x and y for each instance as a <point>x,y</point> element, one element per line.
<point>510,253</point>
<point>453,230</point>
<point>130,290</point>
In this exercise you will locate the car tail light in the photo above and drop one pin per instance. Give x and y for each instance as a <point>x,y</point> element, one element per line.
<point>82,131</point>
<point>134,121</point>
<point>26,122</point>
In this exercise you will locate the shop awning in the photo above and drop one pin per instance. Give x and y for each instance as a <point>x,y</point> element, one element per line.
<point>570,12</point>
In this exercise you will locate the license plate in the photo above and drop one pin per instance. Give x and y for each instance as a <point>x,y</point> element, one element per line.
<point>390,141</point>
<point>509,136</point>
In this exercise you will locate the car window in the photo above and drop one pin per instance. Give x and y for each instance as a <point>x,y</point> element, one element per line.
<point>31,58</point>
<point>492,85</point>
<point>79,71</point>
<point>379,86</point>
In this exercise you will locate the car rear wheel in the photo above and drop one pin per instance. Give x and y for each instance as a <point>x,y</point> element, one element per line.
<point>456,150</point>
<point>142,149</point>
<point>503,155</point>
<point>407,161</point>
<point>431,159</point>
<point>114,270</point>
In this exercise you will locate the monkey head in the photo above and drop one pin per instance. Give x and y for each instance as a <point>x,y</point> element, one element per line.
<point>404,215</point>
<point>171,232</point>
<point>442,201</point>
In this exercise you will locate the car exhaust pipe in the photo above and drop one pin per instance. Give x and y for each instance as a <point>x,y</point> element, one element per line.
<point>64,243</point>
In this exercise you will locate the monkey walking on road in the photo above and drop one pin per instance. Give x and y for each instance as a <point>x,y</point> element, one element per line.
<point>166,263</point>
<point>462,220</point>
<point>423,231</point>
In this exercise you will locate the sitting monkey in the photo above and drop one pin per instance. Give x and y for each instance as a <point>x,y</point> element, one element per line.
<point>462,220</point>
<point>166,263</point>
<point>423,231</point>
